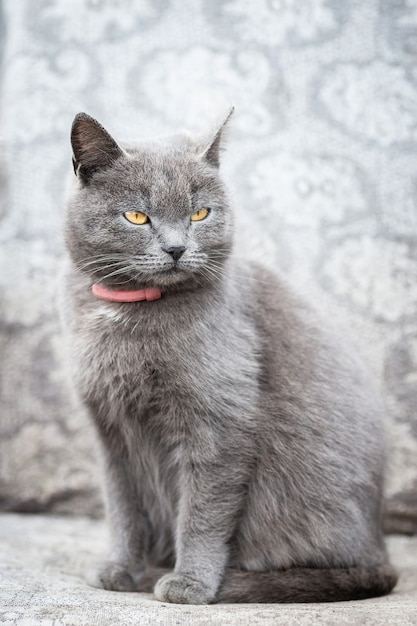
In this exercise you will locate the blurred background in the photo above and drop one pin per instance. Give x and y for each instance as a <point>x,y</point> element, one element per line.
<point>321,161</point>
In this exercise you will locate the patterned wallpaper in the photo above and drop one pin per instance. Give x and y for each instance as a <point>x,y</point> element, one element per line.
<point>321,161</point>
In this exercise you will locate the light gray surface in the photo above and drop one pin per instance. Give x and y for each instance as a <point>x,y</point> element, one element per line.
<point>321,159</point>
<point>42,559</point>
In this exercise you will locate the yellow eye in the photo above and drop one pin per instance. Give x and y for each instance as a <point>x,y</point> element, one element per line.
<point>136,217</point>
<point>199,215</point>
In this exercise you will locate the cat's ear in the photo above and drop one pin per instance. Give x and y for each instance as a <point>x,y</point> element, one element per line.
<point>211,152</point>
<point>93,148</point>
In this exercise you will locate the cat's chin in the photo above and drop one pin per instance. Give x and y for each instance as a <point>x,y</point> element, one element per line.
<point>176,278</point>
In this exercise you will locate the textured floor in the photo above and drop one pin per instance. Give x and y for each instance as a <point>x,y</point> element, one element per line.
<point>42,559</point>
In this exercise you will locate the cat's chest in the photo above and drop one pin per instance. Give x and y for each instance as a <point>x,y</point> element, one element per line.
<point>166,360</point>
<point>137,357</point>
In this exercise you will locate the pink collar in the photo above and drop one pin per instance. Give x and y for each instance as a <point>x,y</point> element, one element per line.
<point>115,295</point>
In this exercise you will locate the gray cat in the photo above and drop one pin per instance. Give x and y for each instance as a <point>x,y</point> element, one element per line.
<point>242,445</point>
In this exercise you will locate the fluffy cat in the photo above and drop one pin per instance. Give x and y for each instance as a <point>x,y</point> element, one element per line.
<point>242,445</point>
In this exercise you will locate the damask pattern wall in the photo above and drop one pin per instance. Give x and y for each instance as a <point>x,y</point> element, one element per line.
<point>321,159</point>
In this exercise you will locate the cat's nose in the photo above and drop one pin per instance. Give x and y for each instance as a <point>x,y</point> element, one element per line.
<point>176,252</point>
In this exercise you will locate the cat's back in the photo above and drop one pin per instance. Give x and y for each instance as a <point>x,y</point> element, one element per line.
<point>312,380</point>
<point>319,437</point>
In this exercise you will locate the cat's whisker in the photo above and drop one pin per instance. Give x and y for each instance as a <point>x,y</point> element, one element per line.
<point>100,257</point>
<point>100,263</point>
<point>219,267</point>
<point>100,267</point>
<point>122,270</point>
<point>112,257</point>
<point>208,273</point>
<point>242,276</point>
<point>214,273</point>
<point>216,267</point>
<point>217,255</point>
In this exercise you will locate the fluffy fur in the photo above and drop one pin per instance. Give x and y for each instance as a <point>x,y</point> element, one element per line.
<point>241,443</point>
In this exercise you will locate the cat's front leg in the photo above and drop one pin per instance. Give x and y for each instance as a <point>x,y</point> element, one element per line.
<point>126,563</point>
<point>209,505</point>
<point>190,585</point>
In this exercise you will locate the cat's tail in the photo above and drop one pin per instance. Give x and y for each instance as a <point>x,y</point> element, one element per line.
<point>307,585</point>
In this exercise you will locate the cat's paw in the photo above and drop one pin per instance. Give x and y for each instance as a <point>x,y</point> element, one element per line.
<point>182,589</point>
<point>114,577</point>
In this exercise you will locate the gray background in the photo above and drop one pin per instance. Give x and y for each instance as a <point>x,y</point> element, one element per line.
<point>321,161</point>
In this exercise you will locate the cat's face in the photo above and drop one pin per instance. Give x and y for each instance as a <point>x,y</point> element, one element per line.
<point>154,215</point>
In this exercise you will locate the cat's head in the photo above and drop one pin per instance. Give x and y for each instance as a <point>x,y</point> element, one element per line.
<point>153,215</point>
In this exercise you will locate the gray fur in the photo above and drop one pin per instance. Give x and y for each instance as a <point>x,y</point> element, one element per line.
<point>237,433</point>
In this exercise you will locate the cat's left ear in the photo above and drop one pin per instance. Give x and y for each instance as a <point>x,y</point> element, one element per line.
<point>211,152</point>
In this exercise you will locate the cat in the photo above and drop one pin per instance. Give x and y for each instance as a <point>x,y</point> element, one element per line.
<point>241,444</point>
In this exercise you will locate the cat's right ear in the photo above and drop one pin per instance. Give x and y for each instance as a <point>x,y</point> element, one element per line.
<point>93,147</point>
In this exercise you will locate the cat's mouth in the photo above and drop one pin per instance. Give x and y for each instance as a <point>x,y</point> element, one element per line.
<point>190,273</point>
<point>173,274</point>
